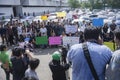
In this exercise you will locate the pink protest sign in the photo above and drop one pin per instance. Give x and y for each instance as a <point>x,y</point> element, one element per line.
<point>54,40</point>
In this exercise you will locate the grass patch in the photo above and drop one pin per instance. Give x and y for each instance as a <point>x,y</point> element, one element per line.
<point>110,45</point>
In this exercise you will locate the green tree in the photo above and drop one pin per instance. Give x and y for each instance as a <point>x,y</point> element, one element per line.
<point>74,3</point>
<point>98,4</point>
<point>114,3</point>
<point>92,3</point>
<point>111,3</point>
<point>86,5</point>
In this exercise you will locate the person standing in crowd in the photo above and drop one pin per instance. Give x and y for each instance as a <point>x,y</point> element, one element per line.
<point>113,26</point>
<point>20,61</point>
<point>19,64</point>
<point>10,34</point>
<point>15,32</point>
<point>3,34</point>
<point>100,56</point>
<point>30,73</point>
<point>113,71</point>
<point>5,60</point>
<point>43,30</point>
<point>58,70</point>
<point>19,30</point>
<point>64,51</point>
<point>49,29</point>
<point>105,32</point>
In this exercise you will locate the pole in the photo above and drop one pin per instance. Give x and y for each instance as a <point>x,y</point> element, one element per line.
<point>60,4</point>
<point>104,4</point>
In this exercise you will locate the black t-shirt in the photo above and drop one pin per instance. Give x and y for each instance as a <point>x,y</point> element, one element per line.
<point>18,68</point>
<point>58,71</point>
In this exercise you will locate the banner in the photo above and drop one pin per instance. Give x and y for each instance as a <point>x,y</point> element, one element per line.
<point>61,14</point>
<point>41,40</point>
<point>98,22</point>
<point>70,41</point>
<point>44,17</point>
<point>54,40</point>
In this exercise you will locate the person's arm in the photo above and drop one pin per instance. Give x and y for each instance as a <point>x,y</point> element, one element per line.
<point>29,54</point>
<point>66,66</point>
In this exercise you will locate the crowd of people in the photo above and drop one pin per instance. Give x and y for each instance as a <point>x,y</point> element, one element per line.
<point>15,32</point>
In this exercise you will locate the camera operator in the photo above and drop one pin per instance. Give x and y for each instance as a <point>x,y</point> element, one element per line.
<point>20,61</point>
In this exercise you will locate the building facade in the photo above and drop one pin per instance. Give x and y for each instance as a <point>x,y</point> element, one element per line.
<point>19,7</point>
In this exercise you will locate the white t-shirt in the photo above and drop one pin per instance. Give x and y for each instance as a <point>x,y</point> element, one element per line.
<point>19,29</point>
<point>43,31</point>
<point>31,74</point>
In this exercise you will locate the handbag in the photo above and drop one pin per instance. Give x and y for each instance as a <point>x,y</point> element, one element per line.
<point>89,61</point>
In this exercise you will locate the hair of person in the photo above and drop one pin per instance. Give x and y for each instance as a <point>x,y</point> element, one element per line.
<point>34,63</point>
<point>17,52</point>
<point>117,33</point>
<point>92,33</point>
<point>13,51</point>
<point>2,47</point>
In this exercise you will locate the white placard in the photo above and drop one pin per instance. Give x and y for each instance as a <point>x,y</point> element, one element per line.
<point>70,41</point>
<point>71,29</point>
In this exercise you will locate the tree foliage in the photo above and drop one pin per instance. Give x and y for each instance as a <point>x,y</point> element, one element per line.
<point>98,5</point>
<point>95,4</point>
<point>85,5</point>
<point>104,3</point>
<point>114,3</point>
<point>74,3</point>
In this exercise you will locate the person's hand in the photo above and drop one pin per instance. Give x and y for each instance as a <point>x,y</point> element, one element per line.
<point>27,51</point>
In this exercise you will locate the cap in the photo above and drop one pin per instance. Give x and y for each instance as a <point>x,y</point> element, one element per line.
<point>56,55</point>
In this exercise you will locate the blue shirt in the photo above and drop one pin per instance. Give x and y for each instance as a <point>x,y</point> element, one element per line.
<point>100,56</point>
<point>113,71</point>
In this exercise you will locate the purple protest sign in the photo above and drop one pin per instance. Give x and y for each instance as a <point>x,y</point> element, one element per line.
<point>54,40</point>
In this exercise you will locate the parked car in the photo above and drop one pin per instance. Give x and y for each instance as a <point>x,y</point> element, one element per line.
<point>37,18</point>
<point>28,18</point>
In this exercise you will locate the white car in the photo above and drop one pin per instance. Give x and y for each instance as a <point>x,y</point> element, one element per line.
<point>102,16</point>
<point>117,22</point>
<point>37,18</point>
<point>111,14</point>
<point>52,16</point>
<point>28,18</point>
<point>108,21</point>
<point>117,17</point>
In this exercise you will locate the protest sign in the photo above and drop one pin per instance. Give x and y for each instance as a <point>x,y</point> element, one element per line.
<point>70,41</point>
<point>70,29</point>
<point>41,40</point>
<point>98,22</point>
<point>54,40</point>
